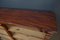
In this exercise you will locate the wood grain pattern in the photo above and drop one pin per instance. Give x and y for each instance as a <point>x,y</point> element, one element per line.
<point>45,21</point>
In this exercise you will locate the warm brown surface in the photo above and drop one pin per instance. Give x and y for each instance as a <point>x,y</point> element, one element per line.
<point>42,20</point>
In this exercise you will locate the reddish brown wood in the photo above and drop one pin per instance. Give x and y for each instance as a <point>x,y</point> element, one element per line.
<point>42,20</point>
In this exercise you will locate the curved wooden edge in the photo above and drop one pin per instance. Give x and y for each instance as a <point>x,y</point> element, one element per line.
<point>40,19</point>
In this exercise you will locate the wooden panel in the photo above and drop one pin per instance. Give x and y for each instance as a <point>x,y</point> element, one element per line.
<point>43,20</point>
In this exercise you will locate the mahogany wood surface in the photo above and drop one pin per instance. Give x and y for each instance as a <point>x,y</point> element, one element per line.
<point>41,19</point>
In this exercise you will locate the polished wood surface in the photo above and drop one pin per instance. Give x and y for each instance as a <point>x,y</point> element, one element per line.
<point>41,19</point>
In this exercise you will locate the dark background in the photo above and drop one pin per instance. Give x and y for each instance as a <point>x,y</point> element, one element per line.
<point>28,4</point>
<point>52,5</point>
